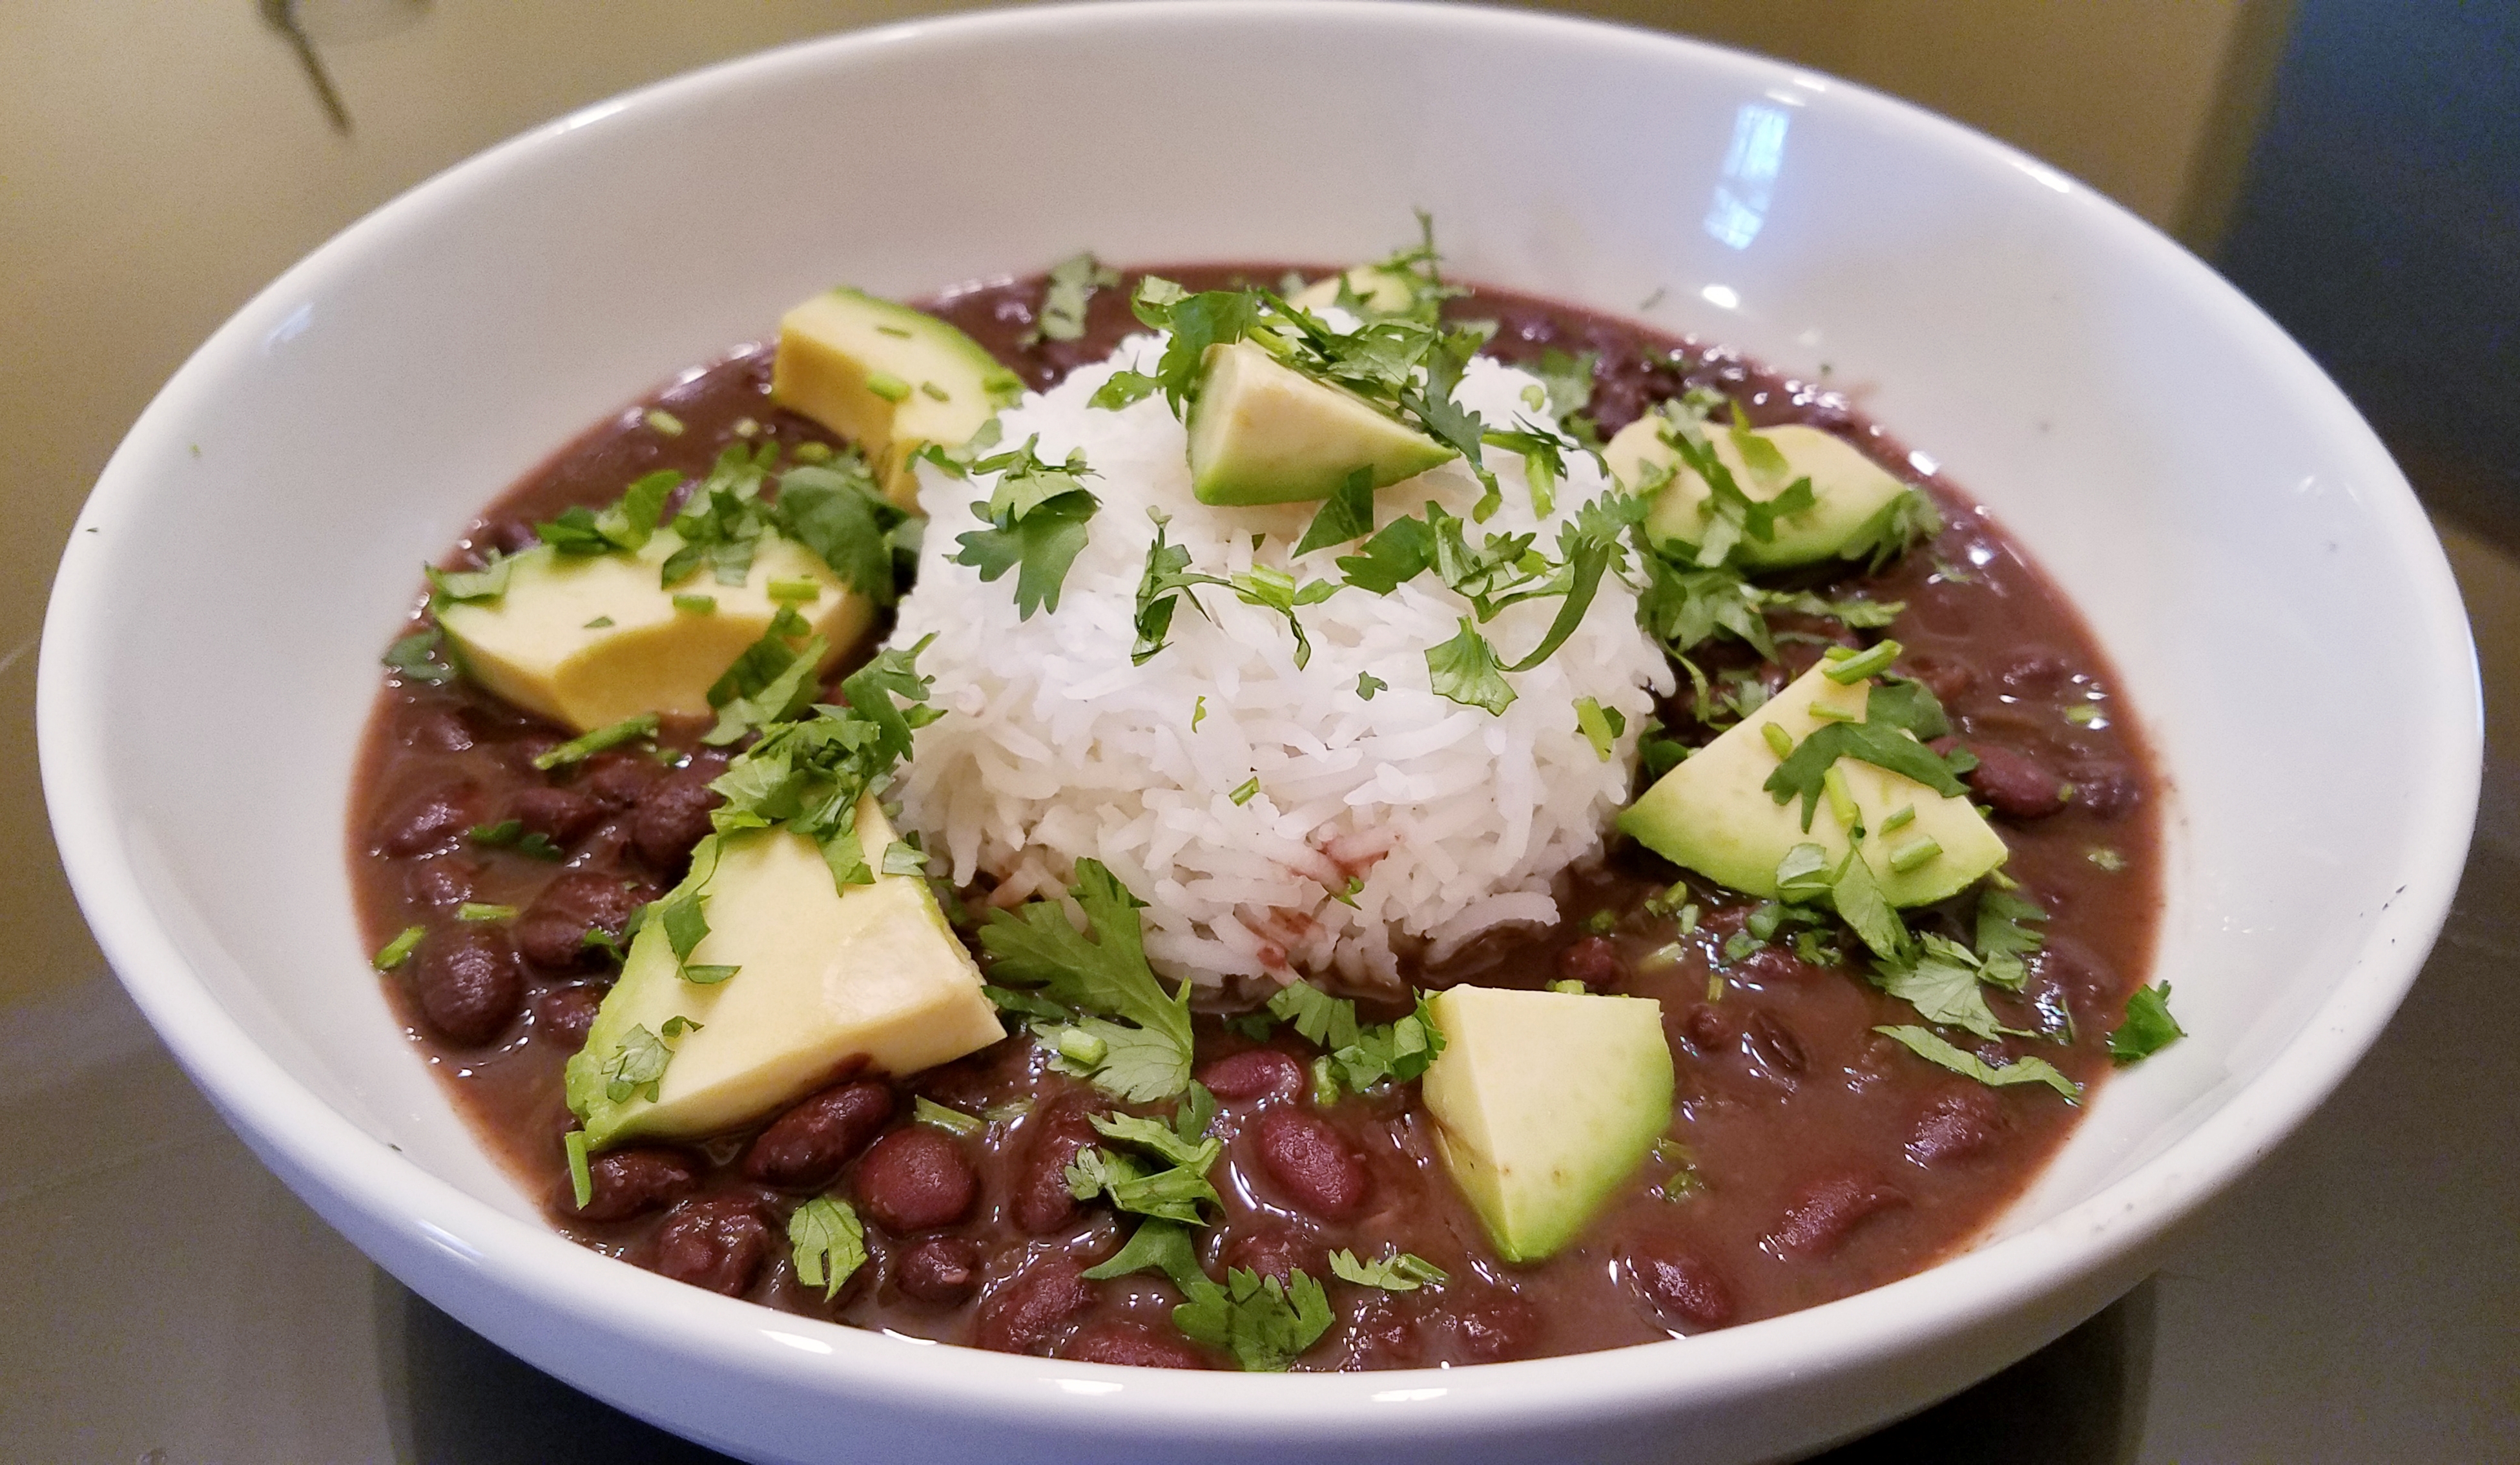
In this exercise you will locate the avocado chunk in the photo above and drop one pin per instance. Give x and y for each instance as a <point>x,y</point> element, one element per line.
<point>1263,432</point>
<point>887,378</point>
<point>1714,814</point>
<point>1382,291</point>
<point>824,976</point>
<point>1543,1103</point>
<point>1852,494</point>
<point>587,640</point>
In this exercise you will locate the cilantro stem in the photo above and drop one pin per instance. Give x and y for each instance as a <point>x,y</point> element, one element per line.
<point>1912,854</point>
<point>1779,741</point>
<point>582,1178</point>
<point>579,749</point>
<point>475,911</point>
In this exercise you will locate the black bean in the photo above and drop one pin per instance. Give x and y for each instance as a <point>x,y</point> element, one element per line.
<point>1947,680</point>
<point>1592,961</point>
<point>1495,1328</point>
<point>442,882</point>
<point>619,777</point>
<point>559,816</point>
<point>1316,1167</point>
<point>1681,1289</point>
<point>563,1014</point>
<point>1825,1210</point>
<point>439,729</point>
<point>806,1148</point>
<point>672,816</point>
<point>942,1270</point>
<point>1706,1029</point>
<point>1030,1311</point>
<point>2103,789</point>
<point>718,1244</point>
<point>1133,1344</point>
<point>1260,1074</point>
<point>469,987</point>
<point>2014,784</point>
<point>430,820</point>
<point>553,929</point>
<point>1960,1124</point>
<point>1052,1140</point>
<point>1270,1248</point>
<point>916,1178</point>
<point>632,1182</point>
<point>1773,1043</point>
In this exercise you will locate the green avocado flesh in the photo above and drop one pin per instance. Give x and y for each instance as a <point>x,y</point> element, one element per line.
<point>825,975</point>
<point>588,640</point>
<point>1852,491</point>
<point>1713,815</point>
<point>888,379</point>
<point>1262,433</point>
<point>1544,1102</point>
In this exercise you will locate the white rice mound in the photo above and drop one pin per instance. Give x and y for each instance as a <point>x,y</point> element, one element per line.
<point>1055,747</point>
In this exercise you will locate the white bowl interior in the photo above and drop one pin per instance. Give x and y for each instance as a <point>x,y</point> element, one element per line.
<point>2235,536</point>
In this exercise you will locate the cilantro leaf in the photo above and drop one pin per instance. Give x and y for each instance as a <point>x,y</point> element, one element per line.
<point>1266,1324</point>
<point>1125,389</point>
<point>772,680</point>
<point>638,1065</point>
<point>2006,932</point>
<point>1465,670</point>
<point>835,510</point>
<point>1397,1271</point>
<point>464,586</point>
<point>414,658</point>
<point>1063,299</point>
<point>828,1244</point>
<point>1172,1193</point>
<point>1940,978</point>
<point>1362,1055</point>
<point>1036,518</point>
<point>585,746</point>
<point>1167,575</point>
<point>1398,553</point>
<point>1347,514</point>
<point>1932,1049</point>
<point>1568,381</point>
<point>2148,1027</point>
<point>1105,977</point>
<point>1159,1246</point>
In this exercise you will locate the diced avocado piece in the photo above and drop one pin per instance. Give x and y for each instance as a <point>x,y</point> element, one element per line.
<point>1543,1103</point>
<point>822,979</point>
<point>1385,291</point>
<point>588,640</point>
<point>1713,815</point>
<point>1852,491</point>
<point>1263,432</point>
<point>887,378</point>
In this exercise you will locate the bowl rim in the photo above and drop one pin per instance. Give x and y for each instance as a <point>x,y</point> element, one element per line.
<point>299,1135</point>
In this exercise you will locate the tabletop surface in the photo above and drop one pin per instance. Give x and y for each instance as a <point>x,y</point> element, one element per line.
<point>2356,1298</point>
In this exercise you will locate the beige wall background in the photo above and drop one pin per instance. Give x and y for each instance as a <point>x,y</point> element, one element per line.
<point>160,162</point>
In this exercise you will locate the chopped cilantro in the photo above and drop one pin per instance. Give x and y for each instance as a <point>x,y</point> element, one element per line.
<point>927,1111</point>
<point>903,857</point>
<point>1361,1055</point>
<point>2006,932</point>
<point>1367,684</point>
<point>1397,1271</point>
<point>599,622</point>
<point>1245,792</point>
<point>585,746</point>
<point>398,950</point>
<point>2106,857</point>
<point>479,912</point>
<point>2083,714</point>
<point>1265,1323</point>
<point>1600,725</point>
<point>1568,986</point>
<point>1105,978</point>
<point>1915,854</point>
<point>1895,720</point>
<point>1036,516</point>
<point>511,834</point>
<point>885,384</point>
<point>664,424</point>
<point>1466,670</point>
<point>1932,1049</point>
<point>695,604</point>
<point>1347,514</point>
<point>463,586</point>
<point>1081,1048</point>
<point>772,680</point>
<point>1197,713</point>
<point>800,591</point>
<point>626,525</point>
<point>1847,668</point>
<point>1160,587</point>
<point>2148,1027</point>
<point>828,1244</point>
<point>414,658</point>
<point>638,1065</point>
<point>1063,299</point>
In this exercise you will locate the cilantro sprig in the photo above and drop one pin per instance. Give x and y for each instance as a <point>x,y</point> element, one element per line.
<point>1065,296</point>
<point>1035,515</point>
<point>1266,1324</point>
<point>1099,983</point>
<point>2148,1027</point>
<point>827,1242</point>
<point>1362,1055</point>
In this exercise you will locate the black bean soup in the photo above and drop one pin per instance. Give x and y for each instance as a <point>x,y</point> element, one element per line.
<point>1809,1157</point>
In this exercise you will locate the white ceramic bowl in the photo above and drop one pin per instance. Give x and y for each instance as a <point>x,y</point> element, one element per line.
<point>2279,608</point>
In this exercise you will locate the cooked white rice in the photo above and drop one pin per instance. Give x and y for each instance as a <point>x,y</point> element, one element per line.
<point>1055,747</point>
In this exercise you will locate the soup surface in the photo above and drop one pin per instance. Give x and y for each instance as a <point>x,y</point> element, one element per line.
<point>1808,1155</point>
